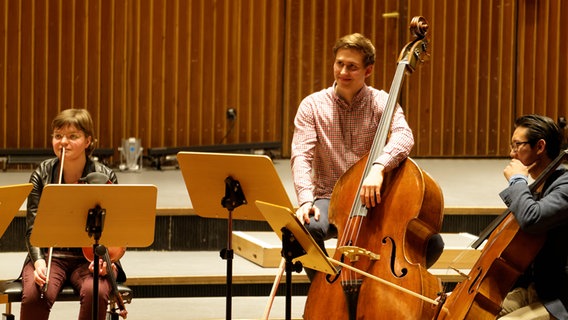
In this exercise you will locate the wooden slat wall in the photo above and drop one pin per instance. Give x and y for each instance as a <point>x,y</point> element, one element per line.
<point>166,71</point>
<point>461,103</point>
<point>542,79</point>
<point>313,27</point>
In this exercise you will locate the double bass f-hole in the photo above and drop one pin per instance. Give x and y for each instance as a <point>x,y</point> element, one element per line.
<point>475,282</point>
<point>404,271</point>
<point>330,279</point>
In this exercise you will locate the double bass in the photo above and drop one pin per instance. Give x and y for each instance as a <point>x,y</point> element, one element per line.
<point>387,241</point>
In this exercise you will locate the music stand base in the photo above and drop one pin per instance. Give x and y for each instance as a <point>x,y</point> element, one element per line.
<point>8,317</point>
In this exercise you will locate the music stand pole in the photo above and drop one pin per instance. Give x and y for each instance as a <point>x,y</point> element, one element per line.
<point>297,244</point>
<point>227,254</point>
<point>94,227</point>
<point>291,249</point>
<point>234,197</point>
<point>204,175</point>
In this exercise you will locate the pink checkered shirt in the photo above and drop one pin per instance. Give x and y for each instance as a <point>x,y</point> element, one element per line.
<point>330,136</point>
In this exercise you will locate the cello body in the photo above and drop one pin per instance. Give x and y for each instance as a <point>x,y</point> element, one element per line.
<point>398,230</point>
<point>506,255</point>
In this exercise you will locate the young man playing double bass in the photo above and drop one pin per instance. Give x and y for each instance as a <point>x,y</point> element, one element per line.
<point>334,128</point>
<point>542,293</point>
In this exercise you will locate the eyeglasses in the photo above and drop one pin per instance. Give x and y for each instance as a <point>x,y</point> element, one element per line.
<point>515,145</point>
<point>72,136</point>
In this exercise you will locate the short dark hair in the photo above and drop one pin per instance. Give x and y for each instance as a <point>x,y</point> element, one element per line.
<point>542,127</point>
<point>80,119</point>
<point>358,42</point>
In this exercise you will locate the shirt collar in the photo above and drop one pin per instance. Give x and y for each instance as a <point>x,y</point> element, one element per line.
<point>357,99</point>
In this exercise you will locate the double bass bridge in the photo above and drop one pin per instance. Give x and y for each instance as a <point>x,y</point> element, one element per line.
<point>354,252</point>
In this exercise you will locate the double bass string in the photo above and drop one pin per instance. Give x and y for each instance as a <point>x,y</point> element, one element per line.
<point>350,238</point>
<point>358,210</point>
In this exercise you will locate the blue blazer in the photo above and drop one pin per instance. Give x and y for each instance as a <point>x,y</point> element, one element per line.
<point>545,213</point>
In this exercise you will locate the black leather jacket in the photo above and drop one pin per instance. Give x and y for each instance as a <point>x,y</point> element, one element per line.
<point>46,173</point>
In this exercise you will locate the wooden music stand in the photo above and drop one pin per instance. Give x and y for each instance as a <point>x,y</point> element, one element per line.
<point>297,244</point>
<point>215,181</point>
<point>75,215</point>
<point>11,199</point>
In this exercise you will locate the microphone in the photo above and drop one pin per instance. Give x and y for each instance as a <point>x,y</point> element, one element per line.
<point>95,178</point>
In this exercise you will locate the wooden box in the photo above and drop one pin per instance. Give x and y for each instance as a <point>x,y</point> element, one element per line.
<point>263,248</point>
<point>458,252</point>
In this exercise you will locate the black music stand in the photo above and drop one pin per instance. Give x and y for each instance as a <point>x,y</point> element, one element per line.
<point>222,186</point>
<point>11,199</point>
<point>297,244</point>
<point>76,216</point>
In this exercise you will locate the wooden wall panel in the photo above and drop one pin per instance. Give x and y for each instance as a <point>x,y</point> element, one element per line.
<point>461,104</point>
<point>312,27</point>
<point>166,71</point>
<point>12,76</point>
<point>542,68</point>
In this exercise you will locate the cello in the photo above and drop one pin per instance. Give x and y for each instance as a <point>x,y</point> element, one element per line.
<point>389,240</point>
<point>506,255</point>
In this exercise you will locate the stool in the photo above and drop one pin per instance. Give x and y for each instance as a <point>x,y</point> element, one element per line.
<point>11,291</point>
